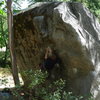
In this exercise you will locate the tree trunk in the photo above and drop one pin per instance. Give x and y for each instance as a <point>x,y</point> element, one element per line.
<point>11,43</point>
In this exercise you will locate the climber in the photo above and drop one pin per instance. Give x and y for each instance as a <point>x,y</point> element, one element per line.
<point>50,60</point>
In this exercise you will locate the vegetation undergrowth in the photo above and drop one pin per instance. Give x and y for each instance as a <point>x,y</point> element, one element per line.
<point>40,88</point>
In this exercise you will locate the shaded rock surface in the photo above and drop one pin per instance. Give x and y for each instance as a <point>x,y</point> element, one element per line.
<point>6,94</point>
<point>69,28</point>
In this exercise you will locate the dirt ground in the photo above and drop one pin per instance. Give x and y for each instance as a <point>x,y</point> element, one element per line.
<point>6,78</point>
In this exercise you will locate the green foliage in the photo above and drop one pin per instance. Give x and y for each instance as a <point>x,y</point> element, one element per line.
<point>3,37</point>
<point>1,3</point>
<point>40,88</point>
<point>3,33</point>
<point>3,25</point>
<point>94,6</point>
<point>35,77</point>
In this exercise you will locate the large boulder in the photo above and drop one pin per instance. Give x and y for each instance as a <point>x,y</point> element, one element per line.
<point>73,31</point>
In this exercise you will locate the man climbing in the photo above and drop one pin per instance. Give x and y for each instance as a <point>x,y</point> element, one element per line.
<point>50,60</point>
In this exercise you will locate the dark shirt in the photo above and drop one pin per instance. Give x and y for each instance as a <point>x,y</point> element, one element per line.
<point>49,63</point>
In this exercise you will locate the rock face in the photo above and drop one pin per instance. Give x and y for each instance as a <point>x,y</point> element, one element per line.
<point>72,31</point>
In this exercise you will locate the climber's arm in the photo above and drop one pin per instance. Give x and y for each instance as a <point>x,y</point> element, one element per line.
<point>48,52</point>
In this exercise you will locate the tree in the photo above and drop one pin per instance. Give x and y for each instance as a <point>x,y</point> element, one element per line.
<point>11,43</point>
<point>3,34</point>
